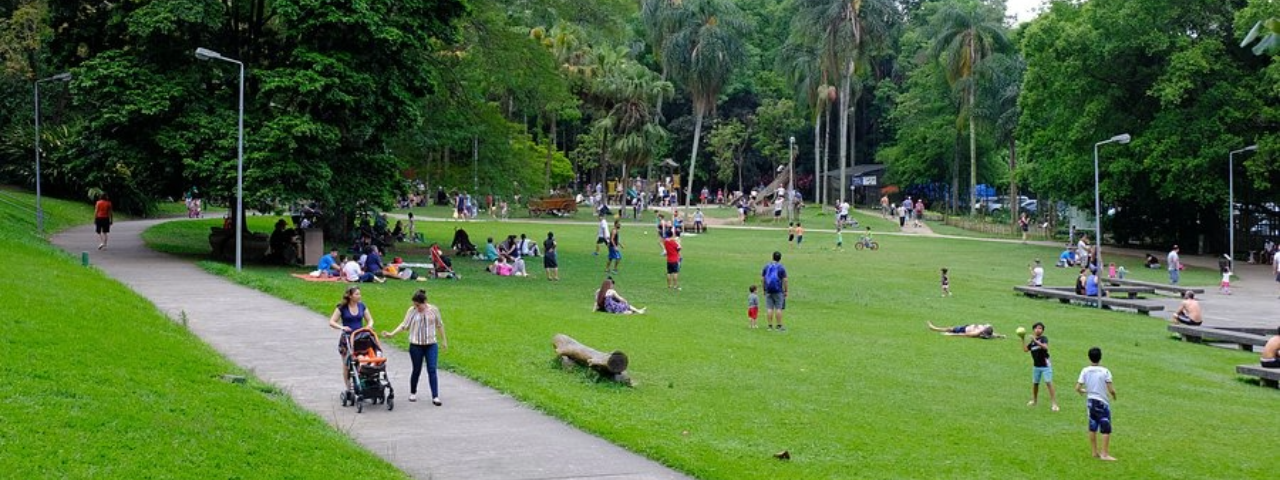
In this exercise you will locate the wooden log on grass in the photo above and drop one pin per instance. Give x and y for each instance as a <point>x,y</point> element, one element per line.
<point>609,365</point>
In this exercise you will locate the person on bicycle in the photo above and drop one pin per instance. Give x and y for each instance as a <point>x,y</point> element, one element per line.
<point>866,238</point>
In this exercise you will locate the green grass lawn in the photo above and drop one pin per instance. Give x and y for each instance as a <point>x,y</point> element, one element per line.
<point>857,387</point>
<point>99,384</point>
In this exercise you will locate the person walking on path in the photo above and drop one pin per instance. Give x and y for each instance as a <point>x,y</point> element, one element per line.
<point>102,219</point>
<point>1024,224</point>
<point>1175,266</point>
<point>1275,265</point>
<point>1041,369</point>
<point>1095,384</point>
<point>774,279</point>
<point>602,235</point>
<point>424,325</point>
<point>349,316</point>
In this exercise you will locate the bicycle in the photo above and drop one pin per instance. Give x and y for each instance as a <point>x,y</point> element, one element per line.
<point>866,243</point>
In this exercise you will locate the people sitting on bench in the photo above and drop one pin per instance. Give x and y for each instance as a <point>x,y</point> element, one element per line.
<point>1271,353</point>
<point>983,330</point>
<point>1189,311</point>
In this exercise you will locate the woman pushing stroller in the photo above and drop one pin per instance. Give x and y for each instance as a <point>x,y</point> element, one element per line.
<point>349,316</point>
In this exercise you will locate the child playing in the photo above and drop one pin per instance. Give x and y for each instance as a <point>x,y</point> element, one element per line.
<point>799,234</point>
<point>839,239</point>
<point>1121,271</point>
<point>753,306</point>
<point>866,238</point>
<point>1111,270</point>
<point>946,284</point>
<point>1095,383</point>
<point>791,232</point>
<point>1041,369</point>
<point>1224,266</point>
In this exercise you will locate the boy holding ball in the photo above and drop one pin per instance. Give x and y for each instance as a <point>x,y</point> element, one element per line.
<point>1041,368</point>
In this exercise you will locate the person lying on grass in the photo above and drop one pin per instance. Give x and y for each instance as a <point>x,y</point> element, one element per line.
<point>982,330</point>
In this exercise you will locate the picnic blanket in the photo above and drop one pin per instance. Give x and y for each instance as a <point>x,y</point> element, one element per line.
<point>309,278</point>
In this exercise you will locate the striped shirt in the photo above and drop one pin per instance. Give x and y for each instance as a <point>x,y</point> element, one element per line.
<point>422,325</point>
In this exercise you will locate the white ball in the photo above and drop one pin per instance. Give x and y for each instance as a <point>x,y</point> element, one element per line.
<point>1021,331</point>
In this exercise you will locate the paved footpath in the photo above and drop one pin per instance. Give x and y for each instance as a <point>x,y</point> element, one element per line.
<point>479,433</point>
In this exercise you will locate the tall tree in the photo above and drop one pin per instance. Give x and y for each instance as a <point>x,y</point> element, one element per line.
<point>968,34</point>
<point>702,56</point>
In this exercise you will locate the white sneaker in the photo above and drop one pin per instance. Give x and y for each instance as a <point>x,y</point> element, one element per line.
<point>413,397</point>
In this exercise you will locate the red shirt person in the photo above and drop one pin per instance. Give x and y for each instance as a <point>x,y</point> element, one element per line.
<point>671,247</point>
<point>102,219</point>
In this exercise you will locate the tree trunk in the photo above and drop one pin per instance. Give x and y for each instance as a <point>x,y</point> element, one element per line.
<point>845,86</point>
<point>818,174</point>
<point>551,148</point>
<point>693,159</point>
<point>973,134</point>
<point>955,173</point>
<point>1013,179</point>
<point>826,152</point>
<point>611,365</point>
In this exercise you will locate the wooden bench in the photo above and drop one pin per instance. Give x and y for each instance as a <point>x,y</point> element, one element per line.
<point>1203,334</point>
<point>1066,296</point>
<point>1131,292</point>
<point>1174,289</point>
<point>1270,377</point>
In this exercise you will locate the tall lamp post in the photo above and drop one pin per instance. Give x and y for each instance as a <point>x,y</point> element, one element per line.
<point>791,178</point>
<point>61,77</point>
<point>1097,199</point>
<point>1231,199</point>
<point>206,54</point>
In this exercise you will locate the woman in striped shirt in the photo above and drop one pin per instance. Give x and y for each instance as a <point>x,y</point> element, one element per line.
<point>423,323</point>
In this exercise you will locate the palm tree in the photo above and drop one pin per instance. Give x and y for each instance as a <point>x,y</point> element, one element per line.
<point>637,137</point>
<point>661,21</point>
<point>702,55</point>
<point>998,107</point>
<point>800,60</point>
<point>844,32</point>
<point>966,36</point>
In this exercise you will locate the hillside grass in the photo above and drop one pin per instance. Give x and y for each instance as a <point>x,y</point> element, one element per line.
<point>857,387</point>
<point>99,384</point>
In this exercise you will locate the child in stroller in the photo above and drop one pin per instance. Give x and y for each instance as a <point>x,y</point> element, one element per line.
<point>368,371</point>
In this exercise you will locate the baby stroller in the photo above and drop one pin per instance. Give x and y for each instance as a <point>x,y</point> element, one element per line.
<point>443,267</point>
<point>366,367</point>
<point>462,245</point>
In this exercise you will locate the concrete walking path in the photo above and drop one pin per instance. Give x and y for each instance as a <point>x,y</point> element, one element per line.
<point>479,433</point>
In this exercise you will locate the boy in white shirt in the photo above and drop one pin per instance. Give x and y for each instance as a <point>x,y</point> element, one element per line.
<point>1095,384</point>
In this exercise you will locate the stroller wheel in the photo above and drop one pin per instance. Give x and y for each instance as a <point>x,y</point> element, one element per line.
<point>391,403</point>
<point>359,406</point>
<point>343,396</point>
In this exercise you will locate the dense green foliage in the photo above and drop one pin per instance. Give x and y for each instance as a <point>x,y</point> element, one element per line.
<point>103,385</point>
<point>857,387</point>
<point>354,105</point>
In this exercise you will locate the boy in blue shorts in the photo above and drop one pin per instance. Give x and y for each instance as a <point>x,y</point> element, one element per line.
<point>1095,384</point>
<point>1041,369</point>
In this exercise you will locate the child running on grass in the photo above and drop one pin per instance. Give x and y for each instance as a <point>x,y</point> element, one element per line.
<point>799,234</point>
<point>753,306</point>
<point>791,233</point>
<point>946,284</point>
<point>839,239</point>
<point>1095,384</point>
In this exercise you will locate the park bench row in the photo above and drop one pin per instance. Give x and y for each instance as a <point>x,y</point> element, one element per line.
<point>1269,377</point>
<point>1068,296</point>
<point>1159,287</point>
<point>1131,292</point>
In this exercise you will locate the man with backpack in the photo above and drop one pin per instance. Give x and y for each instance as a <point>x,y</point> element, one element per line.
<point>774,279</point>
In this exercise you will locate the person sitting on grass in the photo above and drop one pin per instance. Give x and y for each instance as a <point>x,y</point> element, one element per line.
<point>329,266</point>
<point>983,331</point>
<point>1271,353</point>
<point>490,252</point>
<point>608,300</point>
<point>1152,261</point>
<point>1189,310</point>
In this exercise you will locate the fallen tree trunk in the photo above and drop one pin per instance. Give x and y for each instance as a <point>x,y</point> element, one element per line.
<point>610,365</point>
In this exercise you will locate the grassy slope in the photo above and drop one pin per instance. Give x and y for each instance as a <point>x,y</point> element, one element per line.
<point>858,387</point>
<point>101,385</point>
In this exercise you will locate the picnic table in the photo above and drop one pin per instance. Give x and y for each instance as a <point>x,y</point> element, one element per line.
<point>1131,292</point>
<point>1066,296</point>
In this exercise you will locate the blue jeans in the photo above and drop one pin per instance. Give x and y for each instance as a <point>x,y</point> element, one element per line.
<point>418,353</point>
<point>1173,276</point>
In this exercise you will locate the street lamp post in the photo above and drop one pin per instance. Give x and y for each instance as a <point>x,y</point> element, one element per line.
<point>61,77</point>
<point>1231,199</point>
<point>791,174</point>
<point>206,54</point>
<point>1097,201</point>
